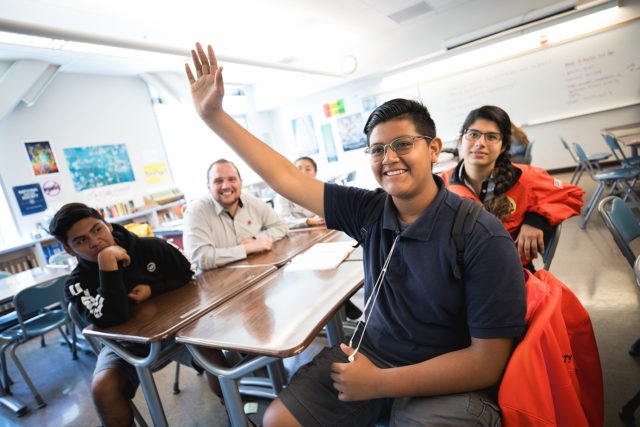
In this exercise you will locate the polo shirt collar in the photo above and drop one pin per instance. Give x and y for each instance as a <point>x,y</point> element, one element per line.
<point>219,209</point>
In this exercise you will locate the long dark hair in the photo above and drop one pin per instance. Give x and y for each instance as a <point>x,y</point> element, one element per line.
<point>503,170</point>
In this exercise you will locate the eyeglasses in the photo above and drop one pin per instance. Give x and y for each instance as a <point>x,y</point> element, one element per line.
<point>489,137</point>
<point>401,145</point>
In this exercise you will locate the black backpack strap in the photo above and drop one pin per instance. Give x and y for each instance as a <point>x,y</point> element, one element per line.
<point>372,213</point>
<point>463,224</point>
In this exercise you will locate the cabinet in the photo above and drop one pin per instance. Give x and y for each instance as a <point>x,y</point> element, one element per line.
<point>31,254</point>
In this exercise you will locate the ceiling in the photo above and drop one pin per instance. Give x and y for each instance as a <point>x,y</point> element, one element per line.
<point>326,41</point>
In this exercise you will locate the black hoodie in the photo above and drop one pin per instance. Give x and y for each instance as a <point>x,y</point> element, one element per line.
<point>101,296</point>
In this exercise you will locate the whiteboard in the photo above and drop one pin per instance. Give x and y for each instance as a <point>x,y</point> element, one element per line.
<point>595,73</point>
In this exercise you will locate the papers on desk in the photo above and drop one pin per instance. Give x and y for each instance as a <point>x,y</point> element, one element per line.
<point>322,256</point>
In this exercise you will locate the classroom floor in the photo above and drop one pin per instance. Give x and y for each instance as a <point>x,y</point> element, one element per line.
<point>586,260</point>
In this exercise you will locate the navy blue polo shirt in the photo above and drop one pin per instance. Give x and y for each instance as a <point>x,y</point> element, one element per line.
<point>422,311</point>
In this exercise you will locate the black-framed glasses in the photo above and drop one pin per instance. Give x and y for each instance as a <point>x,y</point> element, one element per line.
<point>401,145</point>
<point>490,137</point>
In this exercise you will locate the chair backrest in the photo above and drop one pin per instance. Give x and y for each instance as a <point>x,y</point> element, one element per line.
<point>61,258</point>
<point>622,224</point>
<point>615,148</point>
<point>550,246</point>
<point>33,300</point>
<point>80,323</point>
<point>566,145</point>
<point>4,274</point>
<point>527,154</point>
<point>584,160</point>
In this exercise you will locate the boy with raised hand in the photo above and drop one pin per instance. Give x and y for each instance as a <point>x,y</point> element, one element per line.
<point>115,270</point>
<point>432,349</point>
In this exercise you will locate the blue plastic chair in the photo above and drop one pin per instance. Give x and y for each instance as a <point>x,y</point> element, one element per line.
<point>550,246</point>
<point>618,152</point>
<point>594,159</point>
<point>622,223</point>
<point>620,179</point>
<point>40,309</point>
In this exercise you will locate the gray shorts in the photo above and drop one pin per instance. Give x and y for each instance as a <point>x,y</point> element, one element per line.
<point>313,401</point>
<point>108,359</point>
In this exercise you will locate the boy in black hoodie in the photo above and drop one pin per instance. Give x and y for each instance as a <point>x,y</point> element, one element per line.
<point>115,270</point>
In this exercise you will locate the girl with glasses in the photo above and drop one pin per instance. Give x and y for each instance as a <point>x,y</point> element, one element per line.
<point>525,198</point>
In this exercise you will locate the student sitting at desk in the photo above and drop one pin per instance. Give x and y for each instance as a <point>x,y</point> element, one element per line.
<point>525,198</point>
<point>116,269</point>
<point>295,215</point>
<point>432,348</point>
<point>226,225</point>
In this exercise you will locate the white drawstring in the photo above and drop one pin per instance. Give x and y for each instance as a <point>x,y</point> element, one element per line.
<point>374,297</point>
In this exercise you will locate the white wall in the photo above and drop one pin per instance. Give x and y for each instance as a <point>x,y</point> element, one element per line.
<point>79,111</point>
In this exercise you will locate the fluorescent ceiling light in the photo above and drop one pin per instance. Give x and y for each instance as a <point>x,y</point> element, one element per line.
<point>453,63</point>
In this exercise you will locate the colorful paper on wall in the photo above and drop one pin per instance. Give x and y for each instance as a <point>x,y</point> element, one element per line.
<point>335,108</point>
<point>41,157</point>
<point>156,172</point>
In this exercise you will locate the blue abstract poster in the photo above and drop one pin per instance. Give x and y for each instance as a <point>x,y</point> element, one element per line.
<point>99,166</point>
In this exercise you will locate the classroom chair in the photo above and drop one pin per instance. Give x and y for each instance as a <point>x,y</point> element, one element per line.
<point>622,224</point>
<point>618,152</point>
<point>550,246</point>
<point>622,180</point>
<point>594,159</point>
<point>35,318</point>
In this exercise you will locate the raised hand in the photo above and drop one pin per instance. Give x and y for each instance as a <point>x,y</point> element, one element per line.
<point>207,87</point>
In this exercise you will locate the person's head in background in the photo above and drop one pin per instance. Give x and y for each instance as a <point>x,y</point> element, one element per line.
<point>82,231</point>
<point>405,171</point>
<point>484,142</point>
<point>307,166</point>
<point>519,143</point>
<point>225,184</point>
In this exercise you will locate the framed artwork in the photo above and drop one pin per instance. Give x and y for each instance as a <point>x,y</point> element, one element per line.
<point>99,166</point>
<point>350,131</point>
<point>30,199</point>
<point>329,143</point>
<point>41,157</point>
<point>305,135</point>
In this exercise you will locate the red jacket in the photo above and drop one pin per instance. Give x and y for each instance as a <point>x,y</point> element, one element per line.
<point>554,376</point>
<point>533,191</point>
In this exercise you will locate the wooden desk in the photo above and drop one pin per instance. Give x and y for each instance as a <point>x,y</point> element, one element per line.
<point>338,236</point>
<point>277,317</point>
<point>628,134</point>
<point>9,287</point>
<point>285,249</point>
<point>162,316</point>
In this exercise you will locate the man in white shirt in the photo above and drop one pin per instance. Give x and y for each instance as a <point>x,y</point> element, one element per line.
<point>226,225</point>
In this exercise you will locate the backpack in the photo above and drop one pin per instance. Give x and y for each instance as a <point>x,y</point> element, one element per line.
<point>465,220</point>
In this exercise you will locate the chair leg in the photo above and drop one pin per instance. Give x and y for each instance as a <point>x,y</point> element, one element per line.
<point>14,356</point>
<point>137,416</point>
<point>627,411</point>
<point>176,380</point>
<point>6,380</point>
<point>592,204</point>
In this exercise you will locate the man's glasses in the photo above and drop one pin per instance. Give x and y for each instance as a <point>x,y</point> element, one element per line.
<point>401,145</point>
<point>489,137</point>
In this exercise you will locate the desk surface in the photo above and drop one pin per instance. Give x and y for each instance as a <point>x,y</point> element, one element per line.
<point>280,315</point>
<point>162,316</point>
<point>9,286</point>
<point>283,250</point>
<point>627,134</point>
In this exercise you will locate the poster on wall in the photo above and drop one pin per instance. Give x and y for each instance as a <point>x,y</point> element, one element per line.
<point>350,131</point>
<point>41,157</point>
<point>329,143</point>
<point>30,198</point>
<point>99,166</point>
<point>305,135</point>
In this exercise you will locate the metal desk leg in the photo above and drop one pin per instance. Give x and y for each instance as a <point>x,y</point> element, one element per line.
<point>228,381</point>
<point>143,367</point>
<point>335,334</point>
